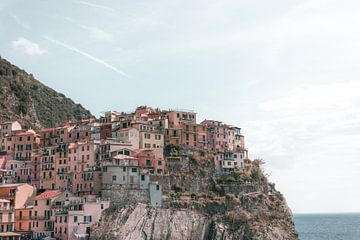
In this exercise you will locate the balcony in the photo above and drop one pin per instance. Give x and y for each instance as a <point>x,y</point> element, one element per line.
<point>40,217</point>
<point>9,195</point>
<point>23,218</point>
<point>63,212</point>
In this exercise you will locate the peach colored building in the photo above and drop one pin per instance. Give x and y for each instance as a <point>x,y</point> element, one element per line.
<point>6,130</point>
<point>176,118</point>
<point>56,136</point>
<point>23,221</point>
<point>17,193</point>
<point>42,215</point>
<point>128,135</point>
<point>24,144</point>
<point>151,137</point>
<point>13,197</point>
<point>47,168</point>
<point>149,160</point>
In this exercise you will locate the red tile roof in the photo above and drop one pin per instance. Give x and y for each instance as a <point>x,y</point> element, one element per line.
<point>48,194</point>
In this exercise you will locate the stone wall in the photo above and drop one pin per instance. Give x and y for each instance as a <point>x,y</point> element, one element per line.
<point>119,195</point>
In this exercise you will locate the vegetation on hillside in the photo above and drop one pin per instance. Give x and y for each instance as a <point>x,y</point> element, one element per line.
<point>35,105</point>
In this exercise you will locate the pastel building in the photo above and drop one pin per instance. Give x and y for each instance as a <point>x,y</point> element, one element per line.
<point>153,162</point>
<point>17,193</point>
<point>194,135</point>
<point>7,216</point>
<point>128,135</point>
<point>23,221</point>
<point>73,220</point>
<point>150,137</point>
<point>176,118</point>
<point>122,170</point>
<point>42,215</point>
<point>6,130</point>
<point>24,144</point>
<point>216,135</point>
<point>228,161</point>
<point>47,168</point>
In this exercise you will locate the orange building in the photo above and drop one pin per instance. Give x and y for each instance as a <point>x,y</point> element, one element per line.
<point>23,221</point>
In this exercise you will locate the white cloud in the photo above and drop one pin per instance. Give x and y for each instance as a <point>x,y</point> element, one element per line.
<point>309,139</point>
<point>87,55</point>
<point>98,34</point>
<point>28,47</point>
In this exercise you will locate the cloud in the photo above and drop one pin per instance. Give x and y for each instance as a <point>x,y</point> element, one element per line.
<point>309,138</point>
<point>87,55</point>
<point>308,114</point>
<point>97,6</point>
<point>29,47</point>
<point>98,34</point>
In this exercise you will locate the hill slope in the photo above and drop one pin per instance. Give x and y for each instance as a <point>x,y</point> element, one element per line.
<point>35,105</point>
<point>200,205</point>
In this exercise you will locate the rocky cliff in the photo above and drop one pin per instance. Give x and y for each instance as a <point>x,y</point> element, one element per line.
<point>35,105</point>
<point>199,204</point>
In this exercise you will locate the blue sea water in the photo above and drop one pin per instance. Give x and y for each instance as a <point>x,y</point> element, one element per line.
<point>328,226</point>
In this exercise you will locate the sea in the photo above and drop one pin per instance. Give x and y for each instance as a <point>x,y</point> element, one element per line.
<point>328,226</point>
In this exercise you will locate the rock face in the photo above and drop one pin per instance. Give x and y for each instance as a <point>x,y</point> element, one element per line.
<point>33,104</point>
<point>144,222</point>
<point>198,204</point>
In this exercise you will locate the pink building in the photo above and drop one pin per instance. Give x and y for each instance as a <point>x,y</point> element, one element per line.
<point>194,135</point>
<point>73,220</point>
<point>7,216</point>
<point>228,161</point>
<point>128,135</point>
<point>175,118</point>
<point>152,162</point>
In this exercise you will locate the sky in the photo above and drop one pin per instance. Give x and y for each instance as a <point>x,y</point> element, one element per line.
<point>286,72</point>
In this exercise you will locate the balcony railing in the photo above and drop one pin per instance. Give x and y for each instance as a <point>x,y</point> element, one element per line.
<point>18,218</point>
<point>6,208</point>
<point>9,195</point>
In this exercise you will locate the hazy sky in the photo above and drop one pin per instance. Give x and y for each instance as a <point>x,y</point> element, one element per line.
<point>285,71</point>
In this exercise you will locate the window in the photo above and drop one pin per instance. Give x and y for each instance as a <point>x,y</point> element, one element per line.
<point>133,169</point>
<point>157,187</point>
<point>159,162</point>
<point>142,177</point>
<point>148,162</point>
<point>114,178</point>
<point>36,203</point>
<point>75,219</point>
<point>147,136</point>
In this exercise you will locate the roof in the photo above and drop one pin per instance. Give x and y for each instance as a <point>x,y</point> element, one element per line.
<point>48,194</point>
<point>122,156</point>
<point>4,201</point>
<point>11,185</point>
<point>28,132</point>
<point>9,234</point>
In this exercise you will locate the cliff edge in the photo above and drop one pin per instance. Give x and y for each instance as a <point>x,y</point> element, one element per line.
<point>199,203</point>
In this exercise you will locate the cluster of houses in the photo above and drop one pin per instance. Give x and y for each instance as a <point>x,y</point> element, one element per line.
<point>51,181</point>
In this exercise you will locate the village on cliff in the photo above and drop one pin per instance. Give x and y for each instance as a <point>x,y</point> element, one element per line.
<point>55,183</point>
